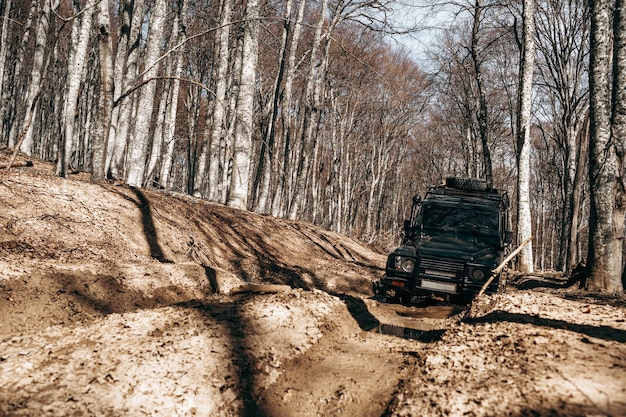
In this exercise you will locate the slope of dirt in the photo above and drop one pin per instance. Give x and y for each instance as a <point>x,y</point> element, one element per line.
<point>120,301</point>
<point>78,243</point>
<point>525,354</point>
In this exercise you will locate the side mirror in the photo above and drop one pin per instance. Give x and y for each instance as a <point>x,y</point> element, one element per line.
<point>508,236</point>
<point>407,225</point>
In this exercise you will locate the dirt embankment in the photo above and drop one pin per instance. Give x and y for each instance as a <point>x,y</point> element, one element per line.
<point>120,301</point>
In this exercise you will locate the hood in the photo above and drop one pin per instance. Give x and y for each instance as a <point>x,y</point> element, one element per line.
<point>468,249</point>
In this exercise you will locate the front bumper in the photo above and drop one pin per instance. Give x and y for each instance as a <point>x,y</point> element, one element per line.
<point>425,285</point>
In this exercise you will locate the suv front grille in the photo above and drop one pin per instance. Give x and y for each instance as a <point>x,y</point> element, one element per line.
<point>443,267</point>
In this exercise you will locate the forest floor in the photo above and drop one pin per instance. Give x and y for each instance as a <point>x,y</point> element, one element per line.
<point>117,301</point>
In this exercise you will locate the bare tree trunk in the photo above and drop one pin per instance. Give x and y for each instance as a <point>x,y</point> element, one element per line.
<point>105,105</point>
<point>268,144</point>
<point>311,103</point>
<point>152,177</point>
<point>567,220</point>
<point>227,144</point>
<point>169,126</point>
<point>483,115</point>
<point>5,92</point>
<point>242,151</point>
<point>278,202</point>
<point>527,59</point>
<point>573,255</point>
<point>3,46</point>
<point>139,142</point>
<point>36,75</point>
<point>168,106</point>
<point>125,75</point>
<point>615,281</point>
<point>17,106</point>
<point>81,31</point>
<point>207,163</point>
<point>215,140</point>
<point>606,230</point>
<point>192,107</point>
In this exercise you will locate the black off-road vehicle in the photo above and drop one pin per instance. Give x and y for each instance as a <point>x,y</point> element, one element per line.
<point>456,235</point>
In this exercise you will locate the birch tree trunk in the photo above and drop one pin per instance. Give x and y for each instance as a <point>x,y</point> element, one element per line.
<point>483,115</point>
<point>105,105</point>
<point>267,148</point>
<point>227,141</point>
<point>311,110</point>
<point>3,47</point>
<point>4,91</point>
<point>36,75</point>
<point>125,75</point>
<point>192,107</point>
<point>81,32</point>
<point>212,152</point>
<point>573,254</point>
<point>169,125</point>
<point>17,105</point>
<point>524,223</point>
<point>138,145</point>
<point>242,150</point>
<point>168,107</point>
<point>278,202</point>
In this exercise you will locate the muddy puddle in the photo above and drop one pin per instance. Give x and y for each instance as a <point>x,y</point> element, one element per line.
<point>423,323</point>
<point>426,336</point>
<point>433,312</point>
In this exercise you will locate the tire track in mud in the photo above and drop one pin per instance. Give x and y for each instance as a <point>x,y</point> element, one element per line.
<point>357,373</point>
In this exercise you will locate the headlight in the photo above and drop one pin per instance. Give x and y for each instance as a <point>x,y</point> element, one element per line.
<point>477,274</point>
<point>404,264</point>
<point>408,265</point>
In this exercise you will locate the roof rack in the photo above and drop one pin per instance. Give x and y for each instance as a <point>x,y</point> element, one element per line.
<point>469,187</point>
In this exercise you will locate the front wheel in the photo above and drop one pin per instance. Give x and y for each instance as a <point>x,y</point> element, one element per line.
<point>398,297</point>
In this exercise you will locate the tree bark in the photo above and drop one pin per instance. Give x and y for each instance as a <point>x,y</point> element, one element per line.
<point>242,150</point>
<point>524,221</point>
<point>138,144</point>
<point>81,34</point>
<point>105,104</point>
<point>3,46</point>
<point>312,98</point>
<point>278,201</point>
<point>483,114</point>
<point>606,228</point>
<point>618,135</point>
<point>18,105</point>
<point>168,107</point>
<point>36,75</point>
<point>125,75</point>
<point>214,149</point>
<point>268,144</point>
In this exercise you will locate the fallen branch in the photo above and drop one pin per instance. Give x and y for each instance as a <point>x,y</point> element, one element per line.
<point>500,267</point>
<point>9,165</point>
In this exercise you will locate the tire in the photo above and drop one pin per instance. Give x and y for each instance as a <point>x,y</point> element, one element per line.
<point>463,299</point>
<point>398,297</point>
<point>473,184</point>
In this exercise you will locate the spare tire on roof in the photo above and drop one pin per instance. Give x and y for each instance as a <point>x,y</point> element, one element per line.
<point>474,184</point>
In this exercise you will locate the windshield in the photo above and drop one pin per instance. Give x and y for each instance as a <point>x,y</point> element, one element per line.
<point>462,219</point>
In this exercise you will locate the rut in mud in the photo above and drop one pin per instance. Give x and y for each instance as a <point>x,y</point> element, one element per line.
<point>355,371</point>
